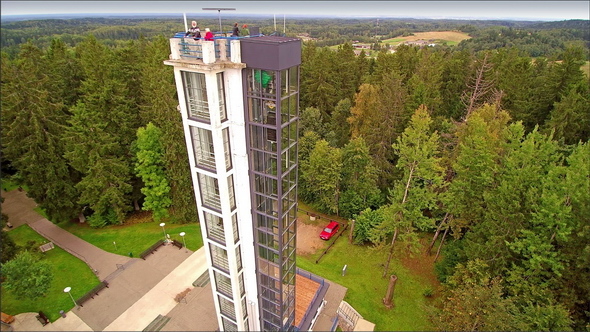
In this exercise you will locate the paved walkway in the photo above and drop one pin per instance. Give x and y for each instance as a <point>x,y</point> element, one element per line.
<point>139,290</point>
<point>333,297</point>
<point>159,300</point>
<point>19,209</point>
<point>130,285</point>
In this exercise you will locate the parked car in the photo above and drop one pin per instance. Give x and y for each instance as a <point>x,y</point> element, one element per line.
<point>330,230</point>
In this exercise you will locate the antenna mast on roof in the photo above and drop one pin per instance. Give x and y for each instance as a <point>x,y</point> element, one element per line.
<point>219,12</point>
<point>284,25</point>
<point>185,25</point>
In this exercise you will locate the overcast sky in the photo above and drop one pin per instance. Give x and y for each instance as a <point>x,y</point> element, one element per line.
<point>525,10</point>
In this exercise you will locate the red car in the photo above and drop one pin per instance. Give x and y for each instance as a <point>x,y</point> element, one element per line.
<point>330,230</point>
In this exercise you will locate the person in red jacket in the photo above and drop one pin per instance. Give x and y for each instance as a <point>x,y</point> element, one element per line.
<point>208,34</point>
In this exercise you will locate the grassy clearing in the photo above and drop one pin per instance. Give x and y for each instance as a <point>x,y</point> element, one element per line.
<point>68,271</point>
<point>366,287</point>
<point>8,183</point>
<point>586,68</point>
<point>439,37</point>
<point>134,238</point>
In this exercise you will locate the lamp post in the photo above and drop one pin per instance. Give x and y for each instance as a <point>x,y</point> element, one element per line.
<point>67,290</point>
<point>219,13</point>
<point>183,241</point>
<point>164,230</point>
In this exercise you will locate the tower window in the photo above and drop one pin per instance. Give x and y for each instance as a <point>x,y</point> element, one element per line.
<point>195,90</point>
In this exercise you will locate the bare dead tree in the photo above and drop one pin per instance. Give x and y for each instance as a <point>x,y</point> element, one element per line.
<point>388,299</point>
<point>398,215</point>
<point>441,243</point>
<point>438,229</point>
<point>478,88</point>
<point>496,99</point>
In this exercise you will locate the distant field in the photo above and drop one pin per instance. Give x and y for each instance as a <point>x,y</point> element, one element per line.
<point>451,37</point>
<point>586,68</point>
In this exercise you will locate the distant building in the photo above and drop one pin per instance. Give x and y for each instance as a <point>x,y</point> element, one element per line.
<point>362,46</point>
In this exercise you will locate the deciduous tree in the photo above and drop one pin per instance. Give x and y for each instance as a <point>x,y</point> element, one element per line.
<point>416,191</point>
<point>27,276</point>
<point>149,168</point>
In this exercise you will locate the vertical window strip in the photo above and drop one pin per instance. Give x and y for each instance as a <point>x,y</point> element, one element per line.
<point>238,259</point>
<point>234,221</point>
<point>226,148</point>
<point>241,284</point>
<point>230,187</point>
<point>221,91</point>
<point>244,311</point>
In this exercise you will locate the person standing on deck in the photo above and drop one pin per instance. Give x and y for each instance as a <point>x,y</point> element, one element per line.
<point>245,30</point>
<point>208,35</point>
<point>194,31</point>
<point>236,30</point>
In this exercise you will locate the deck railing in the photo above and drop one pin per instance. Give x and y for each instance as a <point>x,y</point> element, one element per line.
<point>222,48</point>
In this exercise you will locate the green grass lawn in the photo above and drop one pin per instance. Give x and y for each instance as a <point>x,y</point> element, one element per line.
<point>9,184</point>
<point>366,287</point>
<point>68,271</point>
<point>134,238</point>
<point>393,41</point>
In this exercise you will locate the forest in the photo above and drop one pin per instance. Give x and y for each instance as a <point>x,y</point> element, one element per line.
<point>484,146</point>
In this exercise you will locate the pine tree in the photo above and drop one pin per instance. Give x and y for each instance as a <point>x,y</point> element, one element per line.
<point>339,128</point>
<point>570,119</point>
<point>101,132</point>
<point>31,134</point>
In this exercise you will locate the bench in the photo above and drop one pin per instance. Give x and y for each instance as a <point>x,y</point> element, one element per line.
<point>46,247</point>
<point>6,318</point>
<point>42,318</point>
<point>177,244</point>
<point>92,293</point>
<point>151,249</point>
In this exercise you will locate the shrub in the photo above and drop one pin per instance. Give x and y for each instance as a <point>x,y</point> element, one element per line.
<point>101,220</point>
<point>453,254</point>
<point>96,221</point>
<point>428,292</point>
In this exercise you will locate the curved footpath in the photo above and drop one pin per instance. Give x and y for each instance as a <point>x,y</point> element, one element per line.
<point>139,290</point>
<point>19,209</point>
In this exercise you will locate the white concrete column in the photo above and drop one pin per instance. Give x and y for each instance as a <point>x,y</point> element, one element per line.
<point>175,48</point>
<point>208,52</point>
<point>235,53</point>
